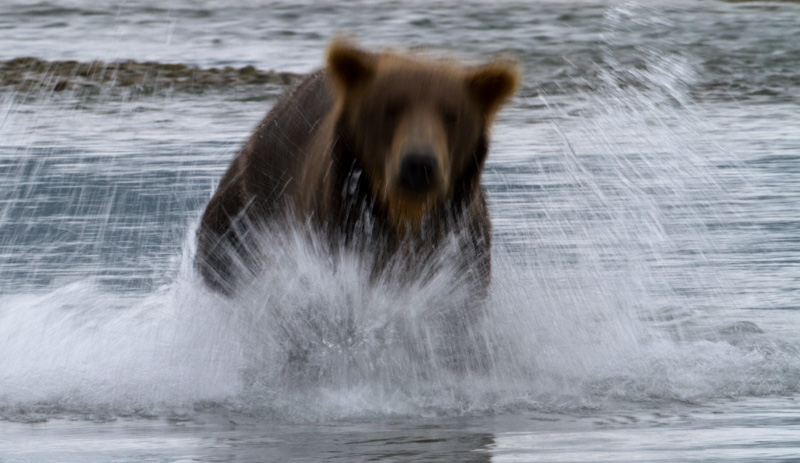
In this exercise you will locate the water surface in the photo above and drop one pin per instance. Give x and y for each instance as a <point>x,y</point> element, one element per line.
<point>643,185</point>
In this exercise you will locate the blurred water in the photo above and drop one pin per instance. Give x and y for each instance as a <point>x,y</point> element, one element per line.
<point>643,185</point>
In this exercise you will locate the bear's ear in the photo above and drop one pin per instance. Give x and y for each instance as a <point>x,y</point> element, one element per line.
<point>492,84</point>
<point>349,66</point>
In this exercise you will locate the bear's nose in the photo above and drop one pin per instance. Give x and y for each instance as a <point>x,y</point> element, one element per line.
<point>418,172</point>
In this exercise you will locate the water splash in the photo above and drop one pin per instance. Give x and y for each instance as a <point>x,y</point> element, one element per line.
<point>561,340</point>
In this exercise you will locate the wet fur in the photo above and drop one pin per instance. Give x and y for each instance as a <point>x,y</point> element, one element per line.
<point>326,154</point>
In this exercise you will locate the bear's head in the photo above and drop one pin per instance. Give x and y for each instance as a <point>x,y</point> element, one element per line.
<point>417,128</point>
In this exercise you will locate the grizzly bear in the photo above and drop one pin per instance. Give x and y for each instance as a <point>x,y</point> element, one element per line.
<point>376,150</point>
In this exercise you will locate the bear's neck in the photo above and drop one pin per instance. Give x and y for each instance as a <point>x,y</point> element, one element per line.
<point>468,187</point>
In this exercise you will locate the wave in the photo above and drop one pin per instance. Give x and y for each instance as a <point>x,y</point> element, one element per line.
<point>560,342</point>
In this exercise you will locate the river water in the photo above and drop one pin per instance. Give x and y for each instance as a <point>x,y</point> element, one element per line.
<point>644,186</point>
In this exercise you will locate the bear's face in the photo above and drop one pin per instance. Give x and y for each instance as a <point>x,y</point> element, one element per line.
<point>417,127</point>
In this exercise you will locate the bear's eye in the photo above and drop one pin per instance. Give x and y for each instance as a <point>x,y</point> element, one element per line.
<point>449,116</point>
<point>393,110</point>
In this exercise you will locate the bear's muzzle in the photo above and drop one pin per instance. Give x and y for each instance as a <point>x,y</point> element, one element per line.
<point>419,173</point>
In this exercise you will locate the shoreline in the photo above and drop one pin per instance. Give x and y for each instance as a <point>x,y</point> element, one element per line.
<point>33,75</point>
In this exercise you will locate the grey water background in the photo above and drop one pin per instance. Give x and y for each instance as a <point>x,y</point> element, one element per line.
<point>644,187</point>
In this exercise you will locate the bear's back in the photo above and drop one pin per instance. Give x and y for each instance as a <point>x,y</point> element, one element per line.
<point>263,181</point>
<point>276,155</point>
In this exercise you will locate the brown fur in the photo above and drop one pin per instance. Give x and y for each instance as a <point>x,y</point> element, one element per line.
<point>335,150</point>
